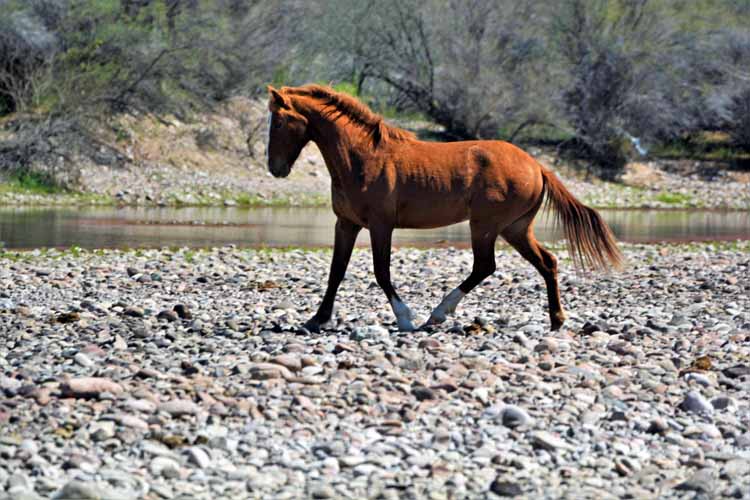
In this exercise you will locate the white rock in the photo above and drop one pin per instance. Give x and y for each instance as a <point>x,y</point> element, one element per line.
<point>164,466</point>
<point>197,456</point>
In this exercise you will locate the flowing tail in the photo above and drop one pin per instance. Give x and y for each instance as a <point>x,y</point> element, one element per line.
<point>591,243</point>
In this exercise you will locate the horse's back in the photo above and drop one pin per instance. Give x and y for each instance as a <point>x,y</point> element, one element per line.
<point>465,179</point>
<point>496,170</point>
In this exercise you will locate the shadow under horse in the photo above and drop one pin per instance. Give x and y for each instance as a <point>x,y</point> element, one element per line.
<point>383,178</point>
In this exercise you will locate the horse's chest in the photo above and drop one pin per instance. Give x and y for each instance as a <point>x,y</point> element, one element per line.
<point>352,210</point>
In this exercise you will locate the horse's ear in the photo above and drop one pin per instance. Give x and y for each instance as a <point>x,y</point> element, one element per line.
<point>278,99</point>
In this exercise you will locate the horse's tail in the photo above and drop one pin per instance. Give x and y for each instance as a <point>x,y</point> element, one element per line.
<point>590,241</point>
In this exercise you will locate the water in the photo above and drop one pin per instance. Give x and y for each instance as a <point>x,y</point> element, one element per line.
<point>112,227</point>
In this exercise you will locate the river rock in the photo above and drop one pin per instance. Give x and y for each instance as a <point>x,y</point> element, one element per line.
<point>723,403</point>
<point>505,488</point>
<point>179,407</point>
<point>453,412</point>
<point>737,371</point>
<point>289,361</point>
<point>134,311</point>
<point>701,481</point>
<point>89,387</point>
<point>512,416</point>
<point>167,315</point>
<point>183,312</point>
<point>549,441</point>
<point>696,403</point>
<point>76,489</point>
<point>164,466</point>
<point>198,457</point>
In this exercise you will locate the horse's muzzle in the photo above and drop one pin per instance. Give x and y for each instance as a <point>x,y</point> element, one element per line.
<point>279,168</point>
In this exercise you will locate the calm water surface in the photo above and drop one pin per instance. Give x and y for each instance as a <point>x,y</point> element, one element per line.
<point>201,227</point>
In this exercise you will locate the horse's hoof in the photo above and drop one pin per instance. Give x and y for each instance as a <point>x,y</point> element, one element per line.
<point>311,327</point>
<point>405,326</point>
<point>556,325</point>
<point>432,321</point>
<point>557,321</point>
<point>436,319</point>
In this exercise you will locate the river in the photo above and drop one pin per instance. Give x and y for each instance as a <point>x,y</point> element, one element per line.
<point>111,227</point>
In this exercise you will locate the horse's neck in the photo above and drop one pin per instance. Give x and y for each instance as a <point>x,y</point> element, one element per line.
<point>337,143</point>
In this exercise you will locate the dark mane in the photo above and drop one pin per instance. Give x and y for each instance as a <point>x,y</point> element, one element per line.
<point>354,110</point>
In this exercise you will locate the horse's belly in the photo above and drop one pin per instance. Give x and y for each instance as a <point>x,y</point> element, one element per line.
<point>436,214</point>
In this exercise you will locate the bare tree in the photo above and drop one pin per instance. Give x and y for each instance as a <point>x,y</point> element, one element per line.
<point>727,102</point>
<point>617,92</point>
<point>467,65</point>
<point>149,56</point>
<point>27,49</point>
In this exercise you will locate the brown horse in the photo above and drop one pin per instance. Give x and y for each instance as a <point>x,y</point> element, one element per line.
<point>383,178</point>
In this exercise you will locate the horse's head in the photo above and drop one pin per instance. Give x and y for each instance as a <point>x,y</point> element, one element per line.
<point>287,133</point>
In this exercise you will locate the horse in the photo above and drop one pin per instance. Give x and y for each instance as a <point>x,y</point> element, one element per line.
<point>383,178</point>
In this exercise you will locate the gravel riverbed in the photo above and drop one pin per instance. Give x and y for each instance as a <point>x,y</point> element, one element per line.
<point>180,374</point>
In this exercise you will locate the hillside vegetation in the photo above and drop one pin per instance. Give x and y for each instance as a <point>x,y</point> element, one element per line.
<point>602,81</point>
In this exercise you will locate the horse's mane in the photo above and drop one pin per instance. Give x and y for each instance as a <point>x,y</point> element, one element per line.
<point>356,111</point>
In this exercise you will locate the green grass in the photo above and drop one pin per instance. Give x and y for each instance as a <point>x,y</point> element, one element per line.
<point>345,87</point>
<point>42,194</point>
<point>673,198</point>
<point>706,145</point>
<point>740,246</point>
<point>44,191</point>
<point>30,183</point>
<point>253,200</point>
<point>249,200</point>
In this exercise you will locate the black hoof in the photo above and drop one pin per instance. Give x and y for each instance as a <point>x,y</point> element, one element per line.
<point>310,327</point>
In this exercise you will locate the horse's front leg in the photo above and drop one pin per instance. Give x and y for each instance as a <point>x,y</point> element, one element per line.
<point>380,235</point>
<point>346,235</point>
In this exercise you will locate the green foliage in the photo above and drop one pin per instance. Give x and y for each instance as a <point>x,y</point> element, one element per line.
<point>702,146</point>
<point>159,55</point>
<point>281,76</point>
<point>673,198</point>
<point>347,88</point>
<point>32,183</point>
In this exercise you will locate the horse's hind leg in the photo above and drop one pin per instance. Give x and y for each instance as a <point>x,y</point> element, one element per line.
<point>483,237</point>
<point>380,236</point>
<point>520,235</point>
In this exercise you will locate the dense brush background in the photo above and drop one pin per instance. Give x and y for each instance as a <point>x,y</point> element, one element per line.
<point>601,80</point>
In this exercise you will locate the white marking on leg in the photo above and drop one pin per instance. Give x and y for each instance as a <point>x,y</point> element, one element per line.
<point>268,142</point>
<point>403,315</point>
<point>446,307</point>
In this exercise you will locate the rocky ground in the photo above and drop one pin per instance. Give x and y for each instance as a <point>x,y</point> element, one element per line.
<point>178,374</point>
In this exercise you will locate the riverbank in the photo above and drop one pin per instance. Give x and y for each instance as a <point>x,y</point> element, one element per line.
<point>203,388</point>
<point>647,185</point>
<point>145,161</point>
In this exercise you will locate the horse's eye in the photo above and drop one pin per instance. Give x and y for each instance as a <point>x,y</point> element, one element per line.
<point>277,124</point>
